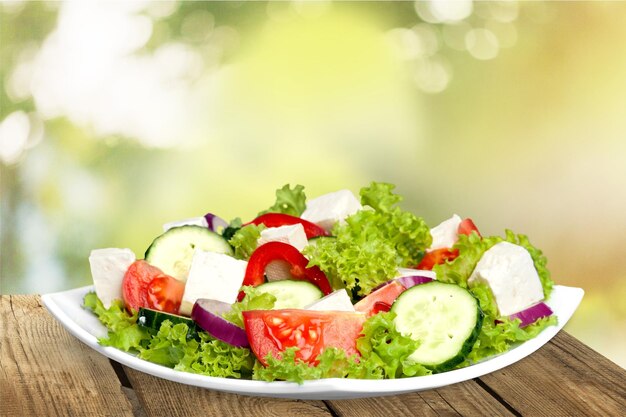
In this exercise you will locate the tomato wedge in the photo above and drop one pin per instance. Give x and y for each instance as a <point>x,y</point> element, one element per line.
<point>436,257</point>
<point>165,293</point>
<point>145,285</point>
<point>374,302</point>
<point>272,331</point>
<point>467,226</point>
<point>279,219</point>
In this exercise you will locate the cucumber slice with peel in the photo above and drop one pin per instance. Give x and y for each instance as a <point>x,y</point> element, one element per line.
<point>445,318</point>
<point>172,251</point>
<point>291,293</point>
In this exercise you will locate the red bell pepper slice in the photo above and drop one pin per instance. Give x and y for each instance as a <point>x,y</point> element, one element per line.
<point>279,219</point>
<point>436,257</point>
<point>279,251</point>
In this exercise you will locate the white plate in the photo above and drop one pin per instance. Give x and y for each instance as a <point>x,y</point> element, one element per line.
<point>66,307</point>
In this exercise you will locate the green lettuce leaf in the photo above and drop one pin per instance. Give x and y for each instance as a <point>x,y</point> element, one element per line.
<point>288,201</point>
<point>499,333</point>
<point>206,355</point>
<point>123,331</point>
<point>244,240</point>
<point>367,249</point>
<point>253,300</point>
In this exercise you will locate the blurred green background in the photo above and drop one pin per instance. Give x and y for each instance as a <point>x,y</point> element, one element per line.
<point>117,117</point>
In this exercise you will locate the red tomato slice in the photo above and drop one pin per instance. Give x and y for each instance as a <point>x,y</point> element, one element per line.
<point>384,295</point>
<point>467,226</point>
<point>436,257</point>
<point>165,293</point>
<point>272,331</point>
<point>137,283</point>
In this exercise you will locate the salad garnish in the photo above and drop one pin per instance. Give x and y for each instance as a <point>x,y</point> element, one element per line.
<point>330,287</point>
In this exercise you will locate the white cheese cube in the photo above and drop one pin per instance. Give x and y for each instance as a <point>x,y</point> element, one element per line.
<point>335,301</point>
<point>509,271</point>
<point>446,233</point>
<point>108,267</point>
<point>193,221</point>
<point>410,272</point>
<point>212,275</point>
<point>292,234</point>
<point>330,208</point>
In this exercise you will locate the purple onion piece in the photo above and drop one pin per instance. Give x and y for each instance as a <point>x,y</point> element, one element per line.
<point>406,282</point>
<point>413,280</point>
<point>208,315</point>
<point>215,222</point>
<point>532,314</point>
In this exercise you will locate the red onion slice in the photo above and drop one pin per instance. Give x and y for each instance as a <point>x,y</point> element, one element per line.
<point>208,315</point>
<point>413,280</point>
<point>216,224</point>
<point>407,282</point>
<point>532,314</point>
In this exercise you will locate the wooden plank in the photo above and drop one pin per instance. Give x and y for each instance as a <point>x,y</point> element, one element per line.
<point>160,397</point>
<point>564,377</point>
<point>45,371</point>
<point>463,399</point>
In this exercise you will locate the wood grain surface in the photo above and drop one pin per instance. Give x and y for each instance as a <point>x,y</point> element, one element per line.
<point>44,371</point>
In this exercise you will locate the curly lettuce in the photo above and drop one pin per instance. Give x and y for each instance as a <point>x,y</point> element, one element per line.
<point>289,200</point>
<point>244,240</point>
<point>123,331</point>
<point>253,300</point>
<point>371,244</point>
<point>499,333</point>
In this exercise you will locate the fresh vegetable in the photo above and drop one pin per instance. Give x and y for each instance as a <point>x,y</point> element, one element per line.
<point>216,224</point>
<point>172,251</point>
<point>208,315</point>
<point>165,294</point>
<point>467,226</point>
<point>278,219</point>
<point>279,251</point>
<point>153,319</point>
<point>270,332</point>
<point>437,257</point>
<point>445,318</point>
<point>385,295</point>
<point>532,314</point>
<point>147,286</point>
<point>288,201</point>
<point>290,293</point>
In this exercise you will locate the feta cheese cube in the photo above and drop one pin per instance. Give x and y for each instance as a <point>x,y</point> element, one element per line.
<point>193,221</point>
<point>212,275</point>
<point>410,272</point>
<point>509,271</point>
<point>336,301</point>
<point>108,267</point>
<point>446,233</point>
<point>292,234</point>
<point>330,208</point>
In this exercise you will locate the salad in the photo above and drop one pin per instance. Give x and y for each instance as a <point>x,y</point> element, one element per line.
<point>330,287</point>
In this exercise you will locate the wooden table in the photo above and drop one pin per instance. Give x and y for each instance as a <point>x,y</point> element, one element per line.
<point>47,372</point>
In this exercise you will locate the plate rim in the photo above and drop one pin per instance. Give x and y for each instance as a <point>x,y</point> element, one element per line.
<point>322,389</point>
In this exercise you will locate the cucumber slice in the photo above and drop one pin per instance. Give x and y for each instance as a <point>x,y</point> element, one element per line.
<point>445,318</point>
<point>172,251</point>
<point>291,293</point>
<point>152,320</point>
